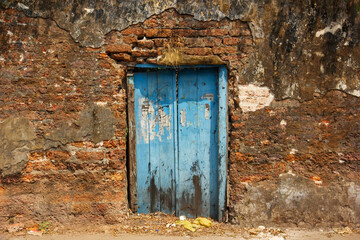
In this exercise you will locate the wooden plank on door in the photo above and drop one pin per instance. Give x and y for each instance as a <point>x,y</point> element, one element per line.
<point>197,173</point>
<point>155,135</point>
<point>166,138</point>
<point>142,141</point>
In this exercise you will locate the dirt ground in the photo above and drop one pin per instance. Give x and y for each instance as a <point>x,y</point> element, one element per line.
<point>161,226</point>
<point>290,235</point>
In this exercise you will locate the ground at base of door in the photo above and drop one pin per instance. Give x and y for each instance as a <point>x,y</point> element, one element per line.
<point>160,226</point>
<point>292,234</point>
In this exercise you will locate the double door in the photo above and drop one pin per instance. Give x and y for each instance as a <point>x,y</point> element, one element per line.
<point>176,116</point>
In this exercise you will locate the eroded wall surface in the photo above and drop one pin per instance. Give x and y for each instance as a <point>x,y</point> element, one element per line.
<point>293,103</point>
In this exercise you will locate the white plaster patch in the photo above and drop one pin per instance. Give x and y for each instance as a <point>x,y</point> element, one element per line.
<point>253,97</point>
<point>291,89</point>
<point>341,85</point>
<point>88,10</point>
<point>23,6</point>
<point>329,29</point>
<point>319,54</point>
<point>322,70</point>
<point>292,194</point>
<point>100,103</point>
<point>355,93</point>
<point>293,151</point>
<point>354,193</point>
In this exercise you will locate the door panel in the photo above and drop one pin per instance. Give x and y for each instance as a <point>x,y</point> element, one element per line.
<point>155,138</point>
<point>197,104</point>
<point>177,141</point>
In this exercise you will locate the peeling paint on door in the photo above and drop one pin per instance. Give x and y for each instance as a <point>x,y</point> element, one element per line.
<point>207,111</point>
<point>177,141</point>
<point>183,117</point>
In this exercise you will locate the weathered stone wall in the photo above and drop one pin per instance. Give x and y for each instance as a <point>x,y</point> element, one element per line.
<point>293,103</point>
<point>62,126</point>
<point>297,163</point>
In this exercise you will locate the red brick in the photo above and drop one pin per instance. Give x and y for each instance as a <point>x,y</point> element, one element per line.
<point>211,41</point>
<point>129,39</point>
<point>113,143</point>
<point>220,50</point>
<point>235,117</point>
<point>255,178</point>
<point>29,178</point>
<point>158,33</point>
<point>145,44</point>
<point>194,42</point>
<point>238,125</point>
<point>246,41</point>
<point>105,65</point>
<point>117,164</point>
<point>90,144</point>
<point>36,156</point>
<point>290,158</point>
<point>57,155</point>
<point>245,32</point>
<point>238,24</point>
<point>90,156</point>
<point>151,23</point>
<point>43,166</point>
<point>235,32</point>
<point>122,57</point>
<point>160,42</point>
<point>214,32</point>
<point>77,144</point>
<point>197,51</point>
<point>237,156</point>
<point>133,31</point>
<point>230,41</point>
<point>185,33</point>
<point>167,23</point>
<point>144,53</point>
<point>115,48</point>
<point>116,154</point>
<point>233,57</point>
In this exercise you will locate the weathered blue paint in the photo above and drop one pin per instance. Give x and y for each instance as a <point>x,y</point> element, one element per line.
<point>198,143</point>
<point>222,127</point>
<point>181,141</point>
<point>155,140</point>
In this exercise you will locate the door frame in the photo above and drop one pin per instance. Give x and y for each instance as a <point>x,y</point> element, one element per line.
<point>222,134</point>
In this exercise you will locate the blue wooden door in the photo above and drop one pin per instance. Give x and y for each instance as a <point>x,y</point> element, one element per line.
<point>176,118</point>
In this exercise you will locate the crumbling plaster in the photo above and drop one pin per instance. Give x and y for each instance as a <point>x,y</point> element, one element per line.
<point>301,49</point>
<point>17,136</point>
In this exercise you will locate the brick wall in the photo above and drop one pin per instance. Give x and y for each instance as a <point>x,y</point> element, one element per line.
<point>49,79</point>
<point>77,175</point>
